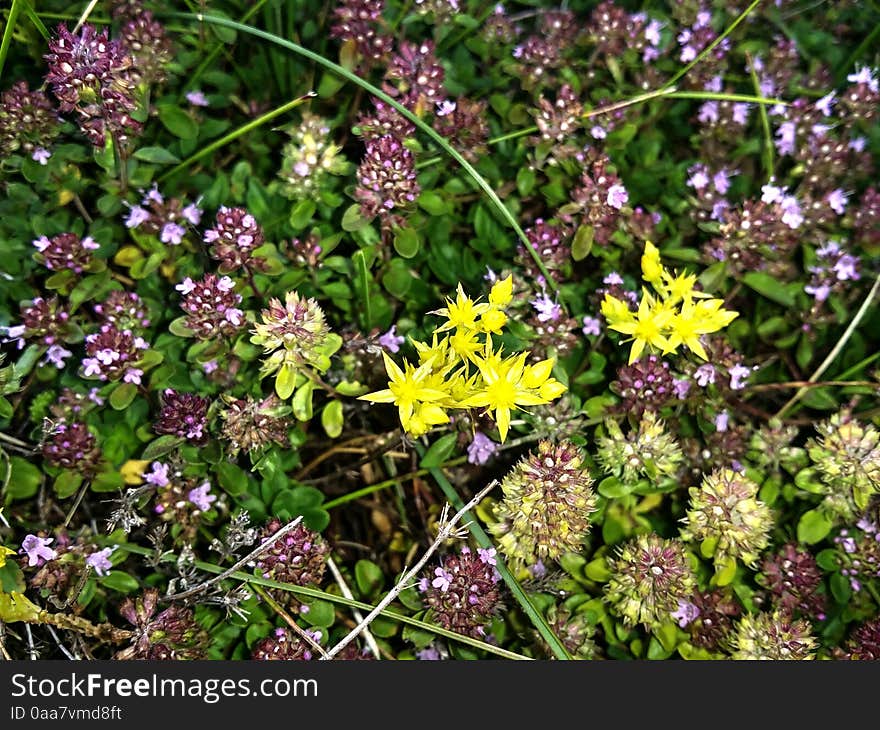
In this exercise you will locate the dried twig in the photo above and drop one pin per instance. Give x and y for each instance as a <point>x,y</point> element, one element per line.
<point>447,530</point>
<point>288,619</point>
<point>358,616</point>
<point>64,649</point>
<point>202,587</point>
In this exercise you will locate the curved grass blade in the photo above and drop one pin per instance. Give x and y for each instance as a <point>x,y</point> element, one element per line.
<point>235,134</point>
<point>8,30</point>
<point>378,93</point>
<point>342,600</point>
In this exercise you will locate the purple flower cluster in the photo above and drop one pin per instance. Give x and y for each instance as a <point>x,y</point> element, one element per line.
<point>90,75</point>
<point>462,594</point>
<point>166,218</point>
<point>66,251</point>
<point>211,306</point>
<point>833,268</point>
<point>233,239</point>
<point>112,354</point>
<point>124,310</point>
<point>647,384</point>
<point>359,22</point>
<point>463,123</point>
<point>600,197</point>
<point>385,120</point>
<point>550,242</point>
<point>42,321</point>
<point>72,446</point>
<point>613,31</point>
<point>539,54</point>
<point>145,40</point>
<point>27,122</point>
<point>693,40</point>
<point>859,553</point>
<point>794,582</point>
<point>710,187</point>
<point>418,76</point>
<point>184,415</point>
<point>283,645</point>
<point>386,178</point>
<point>300,557</point>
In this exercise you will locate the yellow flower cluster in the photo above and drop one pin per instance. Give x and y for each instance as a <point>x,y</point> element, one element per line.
<point>673,315</point>
<point>461,368</point>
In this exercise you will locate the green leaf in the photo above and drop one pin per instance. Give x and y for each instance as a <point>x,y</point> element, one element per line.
<point>398,279</point>
<point>123,395</point>
<point>612,487</point>
<point>406,242</point>
<point>285,381</point>
<point>841,588</point>
<point>290,503</point>
<point>24,480</point>
<point>108,481</point>
<point>770,287</point>
<point>332,418</point>
<point>822,399</point>
<point>232,478</point>
<point>525,180</point>
<point>369,577</point>
<point>597,570</point>
<point>432,203</point>
<point>11,578</point>
<point>17,607</point>
<point>156,155</point>
<point>161,446</point>
<point>439,451</point>
<point>66,483</point>
<point>302,213</point>
<point>352,220</point>
<point>320,613</point>
<point>302,401</point>
<point>119,580</point>
<point>582,243</point>
<point>87,289</point>
<point>178,122</point>
<point>813,526</point>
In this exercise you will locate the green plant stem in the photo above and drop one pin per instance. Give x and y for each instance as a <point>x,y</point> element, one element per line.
<point>721,96</point>
<point>437,138</point>
<point>330,597</point>
<point>8,31</point>
<point>556,646</point>
<point>34,18</point>
<point>235,134</point>
<point>841,343</point>
<point>711,47</point>
<point>858,366</point>
<point>765,122</point>
<point>668,93</point>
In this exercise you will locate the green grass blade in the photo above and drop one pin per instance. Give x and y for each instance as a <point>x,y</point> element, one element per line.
<point>235,134</point>
<point>332,598</point>
<point>437,138</point>
<point>768,151</point>
<point>8,30</point>
<point>363,276</point>
<point>34,18</point>
<point>556,646</point>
